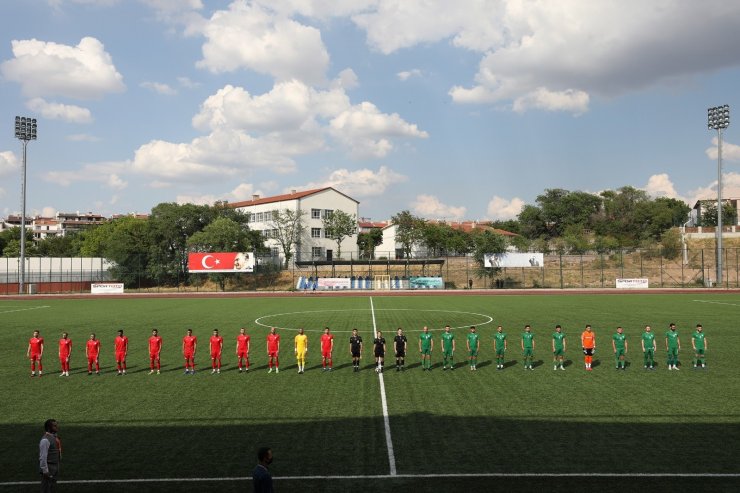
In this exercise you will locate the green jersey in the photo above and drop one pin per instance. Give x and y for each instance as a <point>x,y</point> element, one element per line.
<point>447,338</point>
<point>648,340</point>
<point>473,340</point>
<point>619,340</point>
<point>672,336</point>
<point>500,339</point>
<point>698,338</point>
<point>426,340</point>
<point>559,339</point>
<point>528,340</point>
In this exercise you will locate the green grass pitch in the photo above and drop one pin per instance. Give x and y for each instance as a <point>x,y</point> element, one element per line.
<point>331,424</point>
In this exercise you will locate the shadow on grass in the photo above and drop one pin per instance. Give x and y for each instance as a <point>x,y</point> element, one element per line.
<point>195,448</point>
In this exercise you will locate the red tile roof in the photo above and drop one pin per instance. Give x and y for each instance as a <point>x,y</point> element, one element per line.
<point>283,197</point>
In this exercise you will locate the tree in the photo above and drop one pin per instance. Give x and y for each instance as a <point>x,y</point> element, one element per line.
<point>10,242</point>
<point>59,246</point>
<point>368,241</point>
<point>125,242</point>
<point>532,224</point>
<point>709,214</point>
<point>487,242</point>
<point>409,232</point>
<point>338,226</point>
<point>288,228</point>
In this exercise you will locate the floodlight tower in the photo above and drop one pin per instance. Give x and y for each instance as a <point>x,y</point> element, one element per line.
<point>718,118</point>
<point>25,131</point>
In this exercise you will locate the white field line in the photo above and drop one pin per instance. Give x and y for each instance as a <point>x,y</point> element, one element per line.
<point>716,302</point>
<point>384,403</point>
<point>397,476</point>
<point>25,309</point>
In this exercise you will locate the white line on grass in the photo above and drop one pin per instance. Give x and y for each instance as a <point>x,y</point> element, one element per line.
<point>716,302</point>
<point>25,309</point>
<point>399,476</point>
<point>384,403</point>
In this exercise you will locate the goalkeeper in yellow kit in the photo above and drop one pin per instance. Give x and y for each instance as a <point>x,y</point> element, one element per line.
<point>301,348</point>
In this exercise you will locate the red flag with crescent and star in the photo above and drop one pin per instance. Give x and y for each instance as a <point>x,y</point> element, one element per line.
<point>221,262</point>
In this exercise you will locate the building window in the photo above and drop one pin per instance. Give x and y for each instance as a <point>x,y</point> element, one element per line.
<point>315,232</point>
<point>315,213</point>
<point>316,252</point>
<point>328,213</point>
<point>275,251</point>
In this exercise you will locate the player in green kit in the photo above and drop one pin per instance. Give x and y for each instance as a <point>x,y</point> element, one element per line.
<point>426,345</point>
<point>648,348</point>
<point>528,347</point>
<point>672,346</point>
<point>499,345</point>
<point>558,348</point>
<point>448,348</point>
<point>473,343</point>
<point>699,343</point>
<point>619,345</point>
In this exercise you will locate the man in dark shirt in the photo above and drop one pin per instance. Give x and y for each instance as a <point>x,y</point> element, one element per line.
<point>261,476</point>
<point>355,349</point>
<point>400,343</point>
<point>379,343</point>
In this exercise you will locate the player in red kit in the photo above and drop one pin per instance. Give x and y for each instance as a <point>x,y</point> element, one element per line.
<point>65,350</point>
<point>273,350</point>
<point>189,346</point>
<point>35,351</point>
<point>242,349</point>
<point>327,347</point>
<point>155,347</point>
<point>92,352</point>
<point>121,348</point>
<point>217,345</point>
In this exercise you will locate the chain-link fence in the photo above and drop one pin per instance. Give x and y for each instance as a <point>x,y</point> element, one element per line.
<point>691,268</point>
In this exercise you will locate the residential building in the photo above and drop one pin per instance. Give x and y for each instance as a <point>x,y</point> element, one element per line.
<point>701,206</point>
<point>316,205</point>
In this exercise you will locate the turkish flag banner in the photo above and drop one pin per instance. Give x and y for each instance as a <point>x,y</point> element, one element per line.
<point>221,262</point>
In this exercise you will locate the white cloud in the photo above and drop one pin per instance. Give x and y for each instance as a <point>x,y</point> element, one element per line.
<point>48,211</point>
<point>85,71</point>
<point>59,111</point>
<point>730,189</point>
<point>243,191</point>
<point>97,3</point>
<point>730,152</point>
<point>359,183</point>
<point>159,88</point>
<point>82,138</point>
<point>106,173</point>
<point>407,74</point>
<point>249,36</point>
<point>576,47</point>
<point>569,100</point>
<point>187,83</point>
<point>502,209</point>
<point>366,132</point>
<point>660,185</point>
<point>430,207</point>
<point>8,163</point>
<point>346,80</point>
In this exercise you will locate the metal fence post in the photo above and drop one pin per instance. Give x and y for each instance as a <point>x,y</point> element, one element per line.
<point>561,270</point>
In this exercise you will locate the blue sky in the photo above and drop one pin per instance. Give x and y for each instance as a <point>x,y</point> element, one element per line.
<point>454,110</point>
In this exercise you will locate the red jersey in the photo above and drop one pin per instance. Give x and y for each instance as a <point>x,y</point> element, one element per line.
<point>36,344</point>
<point>242,341</point>
<point>326,341</point>
<point>65,347</point>
<point>188,343</point>
<point>121,344</point>
<point>155,345</point>
<point>217,343</point>
<point>93,347</point>
<point>273,342</point>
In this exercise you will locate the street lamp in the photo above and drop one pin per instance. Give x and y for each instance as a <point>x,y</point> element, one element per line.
<point>718,118</point>
<point>25,131</point>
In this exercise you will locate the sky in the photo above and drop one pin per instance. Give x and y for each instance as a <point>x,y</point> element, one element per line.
<point>462,110</point>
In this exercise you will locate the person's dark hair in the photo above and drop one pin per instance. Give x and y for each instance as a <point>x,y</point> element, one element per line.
<point>262,453</point>
<point>48,423</point>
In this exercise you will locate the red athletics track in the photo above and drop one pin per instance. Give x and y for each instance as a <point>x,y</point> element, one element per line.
<point>452,292</point>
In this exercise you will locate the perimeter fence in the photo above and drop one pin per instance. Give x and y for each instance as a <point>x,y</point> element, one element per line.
<point>691,268</point>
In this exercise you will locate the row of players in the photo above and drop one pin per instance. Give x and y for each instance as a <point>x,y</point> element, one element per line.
<point>620,348</point>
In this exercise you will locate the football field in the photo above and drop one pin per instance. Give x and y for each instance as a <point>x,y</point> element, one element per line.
<point>540,430</point>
